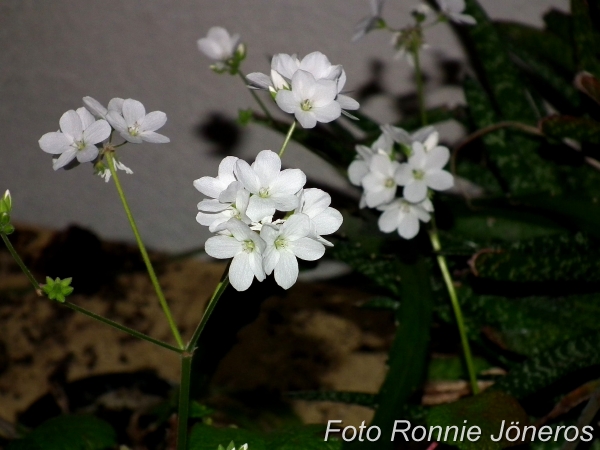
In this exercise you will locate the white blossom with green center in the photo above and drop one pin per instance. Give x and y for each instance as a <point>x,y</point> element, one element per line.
<point>135,126</point>
<point>379,183</point>
<point>403,216</point>
<point>79,133</point>
<point>324,219</point>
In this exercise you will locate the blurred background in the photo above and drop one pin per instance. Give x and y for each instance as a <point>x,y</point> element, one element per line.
<point>55,53</point>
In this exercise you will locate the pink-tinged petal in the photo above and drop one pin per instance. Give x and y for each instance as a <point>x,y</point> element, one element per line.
<point>439,180</point>
<point>296,227</point>
<point>285,64</point>
<point>70,123</point>
<point>357,171</point>
<point>415,191</point>
<point>86,117</point>
<point>306,119</point>
<point>259,208</point>
<point>409,226</point>
<point>347,102</point>
<point>212,205</point>
<point>267,166</point>
<point>327,113</point>
<point>96,132</point>
<point>258,80</point>
<point>256,265</point>
<point>437,158</point>
<point>240,273</point>
<point>288,182</point>
<point>154,138</point>
<point>376,198</point>
<point>404,174</point>
<point>271,258</point>
<point>95,107</point>
<point>133,111</point>
<point>87,154</point>
<point>389,220</point>
<point>418,157</point>
<point>308,249</point>
<point>304,84</point>
<point>287,101</point>
<point>153,121</point>
<point>209,186</point>
<point>247,176</point>
<point>117,121</point>
<point>64,159</point>
<point>55,142</point>
<point>325,93</point>
<point>329,221</point>
<point>286,271</point>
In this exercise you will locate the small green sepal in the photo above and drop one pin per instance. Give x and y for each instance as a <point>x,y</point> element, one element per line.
<point>58,289</point>
<point>6,203</point>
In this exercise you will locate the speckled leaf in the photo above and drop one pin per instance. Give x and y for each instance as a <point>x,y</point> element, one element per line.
<point>487,411</point>
<point>550,366</point>
<point>69,433</point>
<point>559,258</point>
<point>578,128</point>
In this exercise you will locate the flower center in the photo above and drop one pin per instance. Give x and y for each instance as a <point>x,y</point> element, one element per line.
<point>306,105</point>
<point>79,145</point>
<point>418,174</point>
<point>248,246</point>
<point>389,183</point>
<point>263,193</point>
<point>134,129</point>
<point>280,243</point>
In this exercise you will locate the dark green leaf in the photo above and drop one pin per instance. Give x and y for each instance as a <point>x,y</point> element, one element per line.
<point>487,411</point>
<point>386,303</point>
<point>578,128</point>
<point>585,39</point>
<point>351,398</point>
<point>69,433</point>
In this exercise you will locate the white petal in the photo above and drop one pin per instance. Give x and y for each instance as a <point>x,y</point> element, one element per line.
<point>116,104</point>
<point>404,174</point>
<point>255,261</point>
<point>418,157</point>
<point>308,249</point>
<point>327,113</point>
<point>247,176</point>
<point>409,226</point>
<point>296,227</point>
<point>95,107</point>
<point>225,171</point>
<point>304,84</point>
<point>383,165</point>
<point>287,101</point>
<point>389,220</point>
<point>154,138</point>
<point>230,193</point>
<point>347,102</point>
<point>133,111</point>
<point>325,93</point>
<point>415,191</point>
<point>267,166</point>
<point>259,208</point>
<point>86,117</point>
<point>70,123</point>
<point>271,258</point>
<point>357,171</point>
<point>55,142</point>
<point>285,202</point>
<point>315,201</point>
<point>439,180</point>
<point>437,158</point>
<point>240,230</point>
<point>87,154</point>
<point>329,221</point>
<point>212,205</point>
<point>117,121</point>
<point>64,159</point>
<point>306,119</point>
<point>317,64</point>
<point>130,138</point>
<point>288,182</point>
<point>285,64</point>
<point>258,80</point>
<point>222,247</point>
<point>211,49</point>
<point>153,121</point>
<point>376,198</point>
<point>286,271</point>
<point>208,220</point>
<point>240,273</point>
<point>210,186</point>
<point>96,132</point>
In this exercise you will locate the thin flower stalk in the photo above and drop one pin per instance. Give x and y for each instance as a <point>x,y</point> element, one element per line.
<point>287,138</point>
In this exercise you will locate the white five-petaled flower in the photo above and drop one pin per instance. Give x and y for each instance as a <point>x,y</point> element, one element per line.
<point>285,244</point>
<point>371,22</point>
<point>246,248</point>
<point>214,186</point>
<point>453,10</point>
<point>135,126</point>
<point>380,183</point>
<point>96,108</point>
<point>79,133</point>
<point>219,44</point>
<point>271,188</point>
<point>359,168</point>
<point>310,100</point>
<point>404,217</point>
<point>424,170</point>
<point>213,213</point>
<point>324,219</point>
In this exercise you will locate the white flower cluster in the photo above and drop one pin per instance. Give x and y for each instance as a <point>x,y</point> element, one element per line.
<point>242,209</point>
<point>81,130</point>
<point>379,172</point>
<point>222,47</point>
<point>310,88</point>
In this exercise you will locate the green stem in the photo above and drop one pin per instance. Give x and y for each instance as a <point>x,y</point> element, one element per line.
<point>256,97</point>
<point>287,138</point>
<point>441,260</point>
<point>420,90</point>
<point>81,310</point>
<point>186,366</point>
<point>21,264</point>
<point>138,238</point>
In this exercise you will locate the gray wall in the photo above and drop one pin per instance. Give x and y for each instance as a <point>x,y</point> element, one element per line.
<point>54,52</point>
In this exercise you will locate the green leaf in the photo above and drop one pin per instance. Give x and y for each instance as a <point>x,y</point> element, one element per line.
<point>58,289</point>
<point>244,116</point>
<point>69,433</point>
<point>204,437</point>
<point>351,398</point>
<point>385,303</point>
<point>452,368</point>
<point>199,411</point>
<point>559,258</point>
<point>487,411</point>
<point>585,38</point>
<point>550,366</point>
<point>578,128</point>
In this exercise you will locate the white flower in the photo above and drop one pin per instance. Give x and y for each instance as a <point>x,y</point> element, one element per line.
<point>272,188</point>
<point>214,187</point>
<point>428,135</point>
<point>135,126</point>
<point>359,168</point>
<point>404,216</point>
<point>453,9</point>
<point>369,23</point>
<point>285,244</point>
<point>310,100</point>
<point>324,220</point>
<point>219,45</point>
<point>245,247</point>
<point>94,106</point>
<point>78,137</point>
<point>213,213</point>
<point>380,184</point>
<point>424,170</point>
